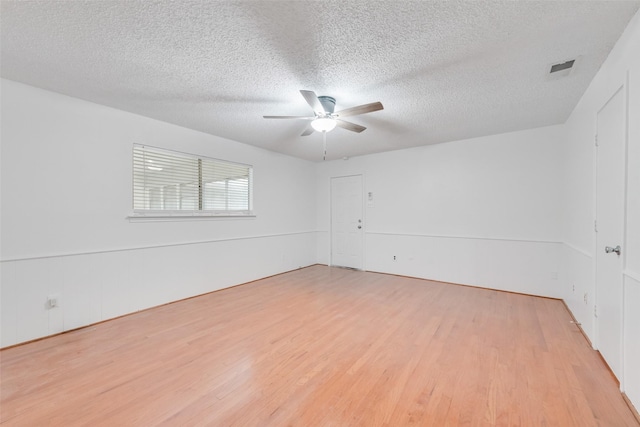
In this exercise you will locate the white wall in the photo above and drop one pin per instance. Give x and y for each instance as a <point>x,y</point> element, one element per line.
<point>622,68</point>
<point>632,241</point>
<point>66,191</point>
<point>484,211</point>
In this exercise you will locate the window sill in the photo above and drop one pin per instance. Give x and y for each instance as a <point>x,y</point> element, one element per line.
<point>185,216</point>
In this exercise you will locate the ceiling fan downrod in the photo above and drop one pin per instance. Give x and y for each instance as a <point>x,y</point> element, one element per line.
<point>324,145</point>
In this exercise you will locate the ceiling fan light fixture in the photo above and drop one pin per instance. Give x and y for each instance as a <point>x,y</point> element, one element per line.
<point>323,124</point>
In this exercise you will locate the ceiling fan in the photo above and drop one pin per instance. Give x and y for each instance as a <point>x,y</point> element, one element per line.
<point>325,119</point>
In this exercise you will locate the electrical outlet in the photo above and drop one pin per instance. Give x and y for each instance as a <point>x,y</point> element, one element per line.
<point>573,288</point>
<point>52,301</point>
<point>394,257</point>
<point>586,298</point>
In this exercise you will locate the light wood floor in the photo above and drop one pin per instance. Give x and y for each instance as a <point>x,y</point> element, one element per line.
<point>320,347</point>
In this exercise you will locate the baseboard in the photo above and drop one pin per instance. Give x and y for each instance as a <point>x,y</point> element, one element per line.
<point>578,324</point>
<point>633,409</point>
<point>465,285</point>
<point>146,309</point>
<point>608,368</point>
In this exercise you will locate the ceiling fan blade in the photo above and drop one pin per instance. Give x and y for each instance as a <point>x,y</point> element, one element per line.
<point>312,99</point>
<point>289,117</point>
<point>308,131</point>
<point>360,109</point>
<point>350,126</point>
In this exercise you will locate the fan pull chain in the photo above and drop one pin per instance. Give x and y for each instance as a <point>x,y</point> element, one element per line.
<point>324,144</point>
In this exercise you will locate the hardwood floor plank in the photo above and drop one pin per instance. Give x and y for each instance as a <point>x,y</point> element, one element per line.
<point>320,347</point>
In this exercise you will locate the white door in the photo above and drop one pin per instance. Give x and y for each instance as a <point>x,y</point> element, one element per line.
<point>347,227</point>
<point>610,189</point>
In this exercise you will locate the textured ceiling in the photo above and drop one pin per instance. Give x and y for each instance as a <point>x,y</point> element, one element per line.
<point>443,70</point>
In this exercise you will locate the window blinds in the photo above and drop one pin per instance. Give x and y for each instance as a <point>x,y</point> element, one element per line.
<point>170,181</point>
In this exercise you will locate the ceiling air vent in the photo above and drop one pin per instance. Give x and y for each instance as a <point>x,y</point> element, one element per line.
<point>563,66</point>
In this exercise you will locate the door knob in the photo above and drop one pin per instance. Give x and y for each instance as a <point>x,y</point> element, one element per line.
<point>609,249</point>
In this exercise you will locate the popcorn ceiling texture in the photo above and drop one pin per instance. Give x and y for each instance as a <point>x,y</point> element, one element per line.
<point>443,70</point>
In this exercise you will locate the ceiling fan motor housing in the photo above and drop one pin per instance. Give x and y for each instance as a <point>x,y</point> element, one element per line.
<point>328,103</point>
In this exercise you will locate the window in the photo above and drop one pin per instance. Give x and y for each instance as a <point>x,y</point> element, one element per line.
<point>169,183</point>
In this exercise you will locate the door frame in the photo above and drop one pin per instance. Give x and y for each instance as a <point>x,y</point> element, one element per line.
<point>364,219</point>
<point>620,85</point>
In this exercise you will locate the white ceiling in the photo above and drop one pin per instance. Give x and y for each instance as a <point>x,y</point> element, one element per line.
<point>443,70</point>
